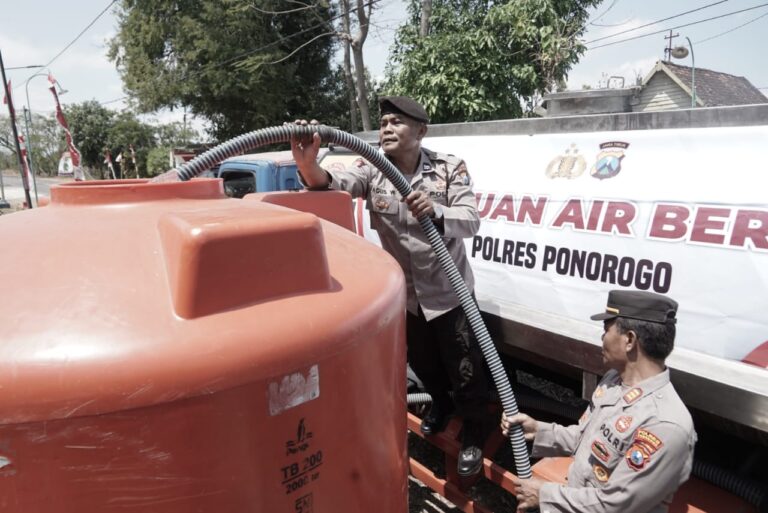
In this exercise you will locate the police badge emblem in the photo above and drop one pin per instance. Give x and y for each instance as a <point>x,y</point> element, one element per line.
<point>601,474</point>
<point>637,457</point>
<point>568,165</point>
<point>609,159</point>
<point>600,451</point>
<point>462,173</point>
<point>623,423</point>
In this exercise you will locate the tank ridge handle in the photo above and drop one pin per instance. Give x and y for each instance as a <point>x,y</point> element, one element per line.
<point>282,134</point>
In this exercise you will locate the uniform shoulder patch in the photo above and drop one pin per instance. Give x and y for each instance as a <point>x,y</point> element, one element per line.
<point>623,423</point>
<point>462,174</point>
<point>359,162</point>
<point>601,473</point>
<point>443,157</point>
<point>637,457</point>
<point>633,395</point>
<point>600,451</point>
<point>648,440</point>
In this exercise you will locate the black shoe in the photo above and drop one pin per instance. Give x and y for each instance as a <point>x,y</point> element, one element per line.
<point>470,461</point>
<point>471,455</point>
<point>436,419</point>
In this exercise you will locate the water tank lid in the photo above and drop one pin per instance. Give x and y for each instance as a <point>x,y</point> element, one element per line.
<point>222,260</point>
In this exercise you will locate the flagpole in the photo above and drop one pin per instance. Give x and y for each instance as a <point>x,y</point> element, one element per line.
<point>15,134</point>
<point>28,142</point>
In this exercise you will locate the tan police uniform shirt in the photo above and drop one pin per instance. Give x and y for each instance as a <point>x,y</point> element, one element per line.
<point>445,180</point>
<point>632,449</point>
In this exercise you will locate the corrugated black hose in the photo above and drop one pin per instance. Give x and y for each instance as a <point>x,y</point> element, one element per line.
<point>283,134</point>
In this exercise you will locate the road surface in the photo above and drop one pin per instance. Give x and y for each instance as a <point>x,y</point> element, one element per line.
<point>14,191</point>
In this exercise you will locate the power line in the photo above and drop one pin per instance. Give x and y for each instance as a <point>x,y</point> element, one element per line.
<point>250,52</point>
<point>606,11</point>
<point>731,30</point>
<point>655,22</point>
<point>77,37</point>
<point>595,24</point>
<point>281,40</point>
<point>678,27</point>
<point>113,101</point>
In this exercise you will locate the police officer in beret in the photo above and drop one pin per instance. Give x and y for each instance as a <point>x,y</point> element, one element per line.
<point>633,447</point>
<point>441,349</point>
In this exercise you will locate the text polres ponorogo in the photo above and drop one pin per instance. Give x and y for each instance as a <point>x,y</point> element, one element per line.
<point>626,271</point>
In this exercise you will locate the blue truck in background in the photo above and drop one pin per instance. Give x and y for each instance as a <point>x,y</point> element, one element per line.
<point>260,172</point>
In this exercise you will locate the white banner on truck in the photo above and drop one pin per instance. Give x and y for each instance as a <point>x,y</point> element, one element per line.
<point>567,217</point>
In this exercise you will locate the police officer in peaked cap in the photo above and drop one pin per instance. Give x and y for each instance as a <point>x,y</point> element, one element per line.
<point>633,447</point>
<point>441,348</point>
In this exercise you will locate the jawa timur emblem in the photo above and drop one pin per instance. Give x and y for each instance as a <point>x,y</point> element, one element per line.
<point>609,159</point>
<point>568,165</point>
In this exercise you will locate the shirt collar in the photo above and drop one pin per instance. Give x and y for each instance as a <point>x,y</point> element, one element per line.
<point>646,387</point>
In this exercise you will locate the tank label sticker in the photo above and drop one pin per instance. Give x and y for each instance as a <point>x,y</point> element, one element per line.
<point>303,468</point>
<point>293,389</point>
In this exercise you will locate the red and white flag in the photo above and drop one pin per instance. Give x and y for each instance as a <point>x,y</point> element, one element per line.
<point>8,100</point>
<point>133,159</point>
<point>108,162</point>
<point>73,151</point>
<point>24,161</point>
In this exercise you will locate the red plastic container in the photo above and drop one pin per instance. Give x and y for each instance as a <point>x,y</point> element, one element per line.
<point>167,349</point>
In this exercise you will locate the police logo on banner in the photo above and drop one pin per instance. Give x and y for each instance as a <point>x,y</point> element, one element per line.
<point>609,159</point>
<point>568,165</point>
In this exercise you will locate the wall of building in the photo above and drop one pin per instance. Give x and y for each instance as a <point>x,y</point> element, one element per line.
<point>586,105</point>
<point>662,93</point>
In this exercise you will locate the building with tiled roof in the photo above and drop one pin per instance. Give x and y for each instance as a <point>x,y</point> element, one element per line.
<point>670,86</point>
<point>667,86</point>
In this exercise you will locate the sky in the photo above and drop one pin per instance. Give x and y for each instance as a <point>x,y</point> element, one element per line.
<point>33,32</point>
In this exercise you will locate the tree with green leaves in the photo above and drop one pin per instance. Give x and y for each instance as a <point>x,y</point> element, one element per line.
<point>158,160</point>
<point>90,123</point>
<point>475,60</point>
<point>45,140</point>
<point>241,64</point>
<point>175,134</point>
<point>45,143</point>
<point>127,131</point>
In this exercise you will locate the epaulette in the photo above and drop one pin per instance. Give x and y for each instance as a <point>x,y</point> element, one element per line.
<point>443,157</point>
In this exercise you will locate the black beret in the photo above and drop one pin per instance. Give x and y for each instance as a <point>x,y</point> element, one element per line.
<point>636,304</point>
<point>403,105</point>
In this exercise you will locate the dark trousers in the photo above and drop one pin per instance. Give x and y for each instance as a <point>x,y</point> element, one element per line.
<point>445,356</point>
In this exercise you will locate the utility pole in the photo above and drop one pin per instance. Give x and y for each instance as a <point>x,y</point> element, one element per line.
<point>28,142</point>
<point>668,49</point>
<point>22,165</point>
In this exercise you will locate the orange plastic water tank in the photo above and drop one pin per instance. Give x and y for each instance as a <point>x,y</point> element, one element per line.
<point>167,349</point>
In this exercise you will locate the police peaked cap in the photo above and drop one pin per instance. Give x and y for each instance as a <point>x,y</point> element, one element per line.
<point>403,105</point>
<point>635,304</point>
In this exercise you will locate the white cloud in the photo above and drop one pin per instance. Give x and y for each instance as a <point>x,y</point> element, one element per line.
<point>19,52</point>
